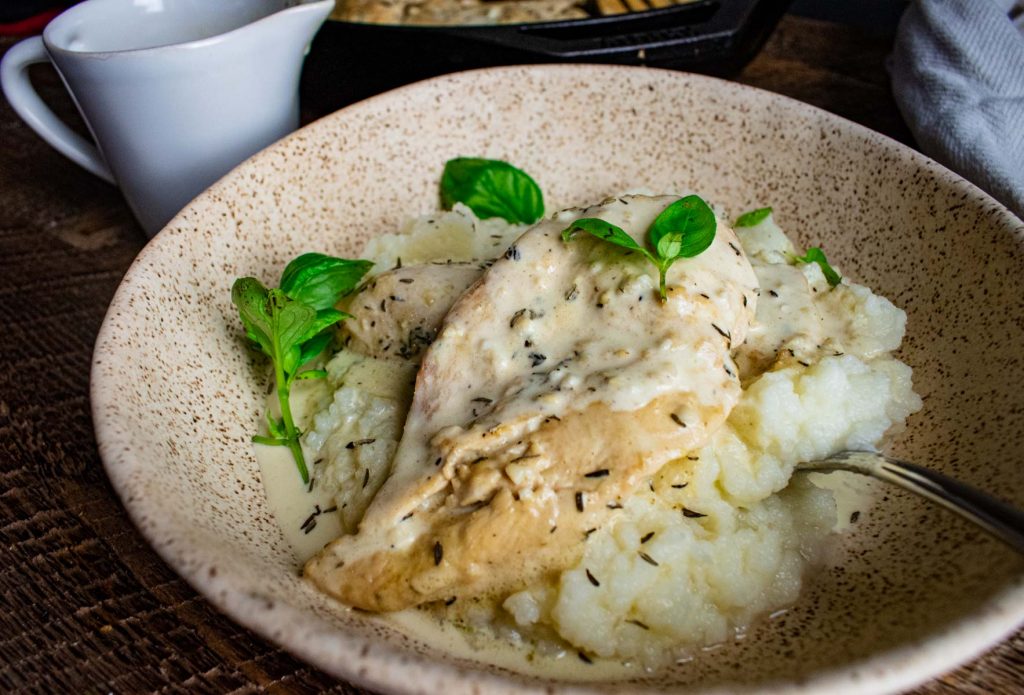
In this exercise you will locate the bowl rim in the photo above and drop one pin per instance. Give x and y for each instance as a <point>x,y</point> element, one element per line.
<point>377,665</point>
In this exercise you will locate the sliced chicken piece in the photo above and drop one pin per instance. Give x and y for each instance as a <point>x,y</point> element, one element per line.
<point>557,384</point>
<point>398,312</point>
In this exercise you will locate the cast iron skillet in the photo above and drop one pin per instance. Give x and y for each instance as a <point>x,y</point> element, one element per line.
<point>350,61</point>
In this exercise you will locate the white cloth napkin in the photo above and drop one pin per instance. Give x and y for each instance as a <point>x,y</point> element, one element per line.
<point>958,77</point>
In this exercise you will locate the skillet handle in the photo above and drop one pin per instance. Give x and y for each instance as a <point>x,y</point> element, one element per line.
<point>702,29</point>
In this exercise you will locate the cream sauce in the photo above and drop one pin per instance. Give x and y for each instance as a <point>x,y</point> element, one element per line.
<point>293,503</point>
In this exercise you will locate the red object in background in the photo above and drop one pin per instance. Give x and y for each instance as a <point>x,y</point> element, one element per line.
<point>29,25</point>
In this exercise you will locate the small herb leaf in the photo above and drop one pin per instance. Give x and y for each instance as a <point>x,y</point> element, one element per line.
<point>684,229</point>
<point>816,255</point>
<point>275,427</point>
<point>313,347</point>
<point>754,217</point>
<point>606,231</point>
<point>251,298</point>
<point>320,281</point>
<point>491,188</point>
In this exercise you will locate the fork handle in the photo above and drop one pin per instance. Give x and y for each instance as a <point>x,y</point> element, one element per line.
<point>998,518</point>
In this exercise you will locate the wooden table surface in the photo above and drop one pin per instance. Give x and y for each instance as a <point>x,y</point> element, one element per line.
<point>85,605</point>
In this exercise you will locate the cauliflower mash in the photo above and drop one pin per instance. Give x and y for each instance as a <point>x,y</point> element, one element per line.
<point>708,543</point>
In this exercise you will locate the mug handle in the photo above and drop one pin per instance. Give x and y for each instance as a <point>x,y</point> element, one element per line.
<point>27,104</point>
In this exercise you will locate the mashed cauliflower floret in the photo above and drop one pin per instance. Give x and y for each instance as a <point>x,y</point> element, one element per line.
<point>456,235</point>
<point>652,585</point>
<point>356,435</point>
<point>871,324</point>
<point>806,413</point>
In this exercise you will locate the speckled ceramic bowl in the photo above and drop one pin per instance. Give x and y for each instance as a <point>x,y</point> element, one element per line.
<point>911,593</point>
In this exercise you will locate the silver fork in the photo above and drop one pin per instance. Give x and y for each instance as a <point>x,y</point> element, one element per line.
<point>998,518</point>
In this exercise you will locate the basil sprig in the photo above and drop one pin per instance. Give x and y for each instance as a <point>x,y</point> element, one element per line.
<point>291,325</point>
<point>684,229</point>
<point>319,280</point>
<point>491,188</point>
<point>816,255</point>
<point>754,217</point>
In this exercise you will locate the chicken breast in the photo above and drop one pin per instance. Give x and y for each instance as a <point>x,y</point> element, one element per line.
<point>557,384</point>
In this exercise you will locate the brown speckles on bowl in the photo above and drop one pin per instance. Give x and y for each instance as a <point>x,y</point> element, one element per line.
<point>914,591</point>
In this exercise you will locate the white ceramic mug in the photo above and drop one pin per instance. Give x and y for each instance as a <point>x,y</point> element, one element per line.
<point>174,92</point>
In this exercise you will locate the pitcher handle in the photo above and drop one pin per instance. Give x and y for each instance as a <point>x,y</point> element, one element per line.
<point>27,104</point>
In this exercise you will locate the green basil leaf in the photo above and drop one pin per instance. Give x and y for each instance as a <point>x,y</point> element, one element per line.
<point>491,188</point>
<point>816,255</point>
<point>749,219</point>
<point>313,347</point>
<point>325,318</point>
<point>320,281</point>
<point>670,245</point>
<point>312,374</point>
<point>684,229</point>
<point>293,324</point>
<point>606,231</point>
<point>252,298</point>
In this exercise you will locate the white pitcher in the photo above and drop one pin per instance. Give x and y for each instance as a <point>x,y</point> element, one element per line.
<point>174,92</point>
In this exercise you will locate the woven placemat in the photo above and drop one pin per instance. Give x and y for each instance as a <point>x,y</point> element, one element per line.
<point>85,605</point>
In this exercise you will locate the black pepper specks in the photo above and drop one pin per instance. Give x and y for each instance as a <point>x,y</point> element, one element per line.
<point>599,473</point>
<point>678,420</point>
<point>592,578</point>
<point>693,515</point>
<point>536,358</point>
<point>579,501</point>
<point>438,553</point>
<point>513,253</point>
<point>648,559</point>
<point>646,537</point>
<point>722,332</point>
<point>572,294</point>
